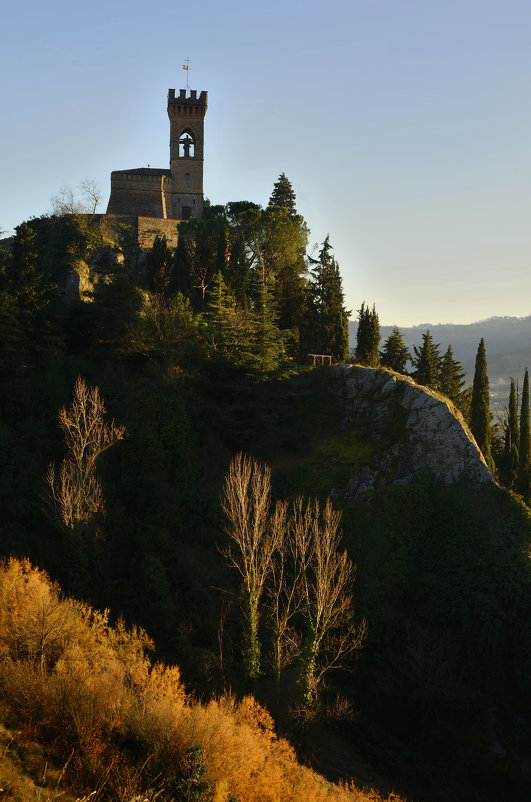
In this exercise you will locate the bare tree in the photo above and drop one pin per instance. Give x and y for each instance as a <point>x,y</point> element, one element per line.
<point>295,558</point>
<point>76,490</point>
<point>92,194</point>
<point>327,578</point>
<point>284,598</point>
<point>246,502</point>
<point>86,201</point>
<point>65,202</point>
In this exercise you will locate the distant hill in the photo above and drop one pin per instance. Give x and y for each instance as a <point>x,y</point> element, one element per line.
<point>507,340</point>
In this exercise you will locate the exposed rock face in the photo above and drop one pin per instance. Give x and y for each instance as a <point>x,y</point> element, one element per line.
<point>412,428</point>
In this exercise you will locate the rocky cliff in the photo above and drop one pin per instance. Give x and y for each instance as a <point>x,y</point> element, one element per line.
<point>410,427</point>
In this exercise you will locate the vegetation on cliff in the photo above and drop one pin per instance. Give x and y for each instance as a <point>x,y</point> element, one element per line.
<point>443,577</point>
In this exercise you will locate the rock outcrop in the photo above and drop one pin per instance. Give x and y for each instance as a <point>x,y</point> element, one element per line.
<point>412,427</point>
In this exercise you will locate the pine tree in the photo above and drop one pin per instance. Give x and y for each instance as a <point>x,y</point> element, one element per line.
<point>427,362</point>
<point>368,337</point>
<point>524,451</point>
<point>480,422</point>
<point>451,378</point>
<point>330,317</point>
<point>284,196</point>
<point>395,352</point>
<point>229,329</point>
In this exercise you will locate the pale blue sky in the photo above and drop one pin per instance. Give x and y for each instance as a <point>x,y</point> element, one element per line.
<point>404,126</point>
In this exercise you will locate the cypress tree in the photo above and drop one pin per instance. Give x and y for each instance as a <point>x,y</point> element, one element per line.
<point>284,196</point>
<point>510,458</point>
<point>395,352</point>
<point>451,378</point>
<point>513,414</point>
<point>480,407</point>
<point>524,451</point>
<point>368,337</point>
<point>427,362</point>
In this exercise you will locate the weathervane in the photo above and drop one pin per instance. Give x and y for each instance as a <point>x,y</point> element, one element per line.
<point>186,66</point>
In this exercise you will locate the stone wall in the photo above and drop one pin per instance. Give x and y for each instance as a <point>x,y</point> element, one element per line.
<point>144,228</point>
<point>427,430</point>
<point>151,227</point>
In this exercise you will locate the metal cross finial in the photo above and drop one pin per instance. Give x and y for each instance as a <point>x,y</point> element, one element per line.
<point>186,66</point>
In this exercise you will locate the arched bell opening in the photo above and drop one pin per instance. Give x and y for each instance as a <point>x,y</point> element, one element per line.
<point>186,145</point>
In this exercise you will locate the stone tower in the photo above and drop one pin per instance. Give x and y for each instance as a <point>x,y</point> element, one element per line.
<point>187,126</point>
<point>148,194</point>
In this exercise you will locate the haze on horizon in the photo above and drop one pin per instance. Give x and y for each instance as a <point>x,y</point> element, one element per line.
<point>402,125</point>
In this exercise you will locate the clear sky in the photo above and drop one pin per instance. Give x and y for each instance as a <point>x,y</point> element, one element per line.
<point>403,125</point>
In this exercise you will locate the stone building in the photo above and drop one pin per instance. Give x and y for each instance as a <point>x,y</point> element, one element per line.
<point>154,199</point>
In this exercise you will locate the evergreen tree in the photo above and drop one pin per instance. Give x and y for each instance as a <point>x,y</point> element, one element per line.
<point>12,331</point>
<point>510,457</point>
<point>229,328</point>
<point>368,337</point>
<point>284,196</point>
<point>513,414</point>
<point>451,378</point>
<point>524,451</point>
<point>268,346</point>
<point>395,352</point>
<point>427,361</point>
<point>480,422</point>
<point>34,298</point>
<point>330,317</point>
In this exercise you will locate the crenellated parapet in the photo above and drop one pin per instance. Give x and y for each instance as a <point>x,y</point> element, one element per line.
<point>184,103</point>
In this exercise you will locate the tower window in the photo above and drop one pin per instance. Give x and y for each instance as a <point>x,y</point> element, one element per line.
<point>186,146</point>
<point>186,212</point>
<point>187,177</point>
